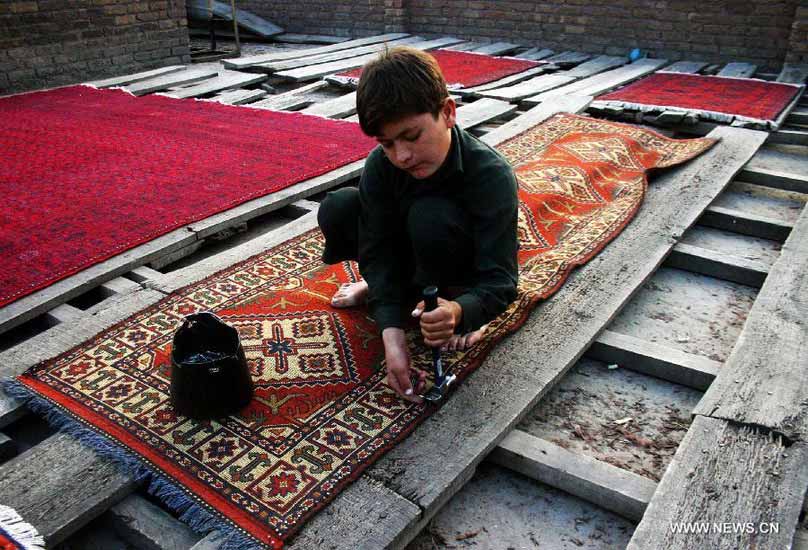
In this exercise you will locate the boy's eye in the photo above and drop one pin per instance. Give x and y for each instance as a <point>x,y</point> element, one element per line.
<point>413,137</point>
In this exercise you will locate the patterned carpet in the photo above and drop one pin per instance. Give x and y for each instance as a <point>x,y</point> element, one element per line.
<point>86,174</point>
<point>322,411</point>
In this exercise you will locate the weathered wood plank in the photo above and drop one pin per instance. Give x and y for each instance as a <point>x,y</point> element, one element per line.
<point>226,80</point>
<point>339,107</point>
<point>726,473</point>
<point>242,62</point>
<point>535,116</point>
<point>314,72</point>
<point>295,38</point>
<point>569,58</point>
<point>65,313</point>
<point>136,77</point>
<point>60,485</point>
<point>528,88</point>
<point>738,70</point>
<point>497,48</point>
<point>292,98</point>
<point>745,223</point>
<point>602,82</point>
<point>144,274</point>
<point>238,97</point>
<point>503,82</point>
<point>482,110</point>
<point>35,304</point>
<point>720,265</point>
<point>777,169</point>
<point>7,447</point>
<point>798,116</point>
<point>789,136</point>
<point>653,359</point>
<point>247,20</point>
<point>441,455</point>
<point>535,54</point>
<point>464,46</point>
<point>62,337</point>
<point>275,66</point>
<point>763,382</point>
<point>164,82</point>
<point>612,488</point>
<point>794,73</point>
<point>597,65</point>
<point>147,527</point>
<point>687,67</point>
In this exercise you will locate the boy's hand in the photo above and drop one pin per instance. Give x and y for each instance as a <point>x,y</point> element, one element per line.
<point>438,325</point>
<point>399,372</point>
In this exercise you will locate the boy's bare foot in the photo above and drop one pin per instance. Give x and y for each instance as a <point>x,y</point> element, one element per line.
<point>350,294</point>
<point>463,341</point>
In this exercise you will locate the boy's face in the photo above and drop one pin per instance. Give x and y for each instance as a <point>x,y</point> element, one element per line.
<point>418,144</point>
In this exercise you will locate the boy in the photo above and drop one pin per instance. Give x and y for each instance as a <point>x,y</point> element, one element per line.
<point>435,206</point>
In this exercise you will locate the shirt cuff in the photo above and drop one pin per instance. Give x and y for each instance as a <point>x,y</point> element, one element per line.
<point>388,315</point>
<point>472,312</point>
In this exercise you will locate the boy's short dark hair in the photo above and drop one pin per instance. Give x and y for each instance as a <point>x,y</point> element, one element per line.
<point>401,82</point>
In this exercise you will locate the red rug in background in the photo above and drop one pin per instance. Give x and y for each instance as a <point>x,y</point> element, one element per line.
<point>86,174</point>
<point>755,100</point>
<point>322,411</point>
<point>463,69</point>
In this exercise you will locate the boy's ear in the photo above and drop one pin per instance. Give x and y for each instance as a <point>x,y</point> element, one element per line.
<point>449,112</point>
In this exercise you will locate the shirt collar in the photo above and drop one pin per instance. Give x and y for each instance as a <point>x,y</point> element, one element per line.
<point>453,164</point>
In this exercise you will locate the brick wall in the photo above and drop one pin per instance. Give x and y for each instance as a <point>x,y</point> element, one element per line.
<point>336,18</point>
<point>46,43</point>
<point>757,31</point>
<point>798,42</point>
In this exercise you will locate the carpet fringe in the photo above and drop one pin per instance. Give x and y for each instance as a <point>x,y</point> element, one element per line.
<point>705,115</point>
<point>19,530</point>
<point>189,511</point>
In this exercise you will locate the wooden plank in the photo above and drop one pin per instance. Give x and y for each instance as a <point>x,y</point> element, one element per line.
<point>535,54</point>
<point>65,313</point>
<point>136,77</point>
<point>653,359</point>
<point>7,447</point>
<point>798,116</point>
<point>464,46</point>
<point>60,485</point>
<point>482,110</point>
<point>597,65</point>
<point>687,67</point>
<point>275,66</point>
<point>188,76</point>
<point>145,274</point>
<point>242,62</point>
<point>720,265</point>
<point>793,73</point>
<point>612,488</point>
<point>569,58</point>
<point>528,88</point>
<point>535,116</point>
<point>290,99</point>
<point>247,20</point>
<point>503,82</point>
<point>601,83</point>
<point>497,48</point>
<point>726,473</point>
<point>295,38</point>
<point>778,179</point>
<point>119,285</point>
<point>338,107</point>
<point>745,223</point>
<point>226,80</point>
<point>789,136</point>
<point>147,527</point>
<point>763,382</point>
<point>238,97</point>
<point>61,338</point>
<point>35,304</point>
<point>305,74</point>
<point>738,70</point>
<point>439,457</point>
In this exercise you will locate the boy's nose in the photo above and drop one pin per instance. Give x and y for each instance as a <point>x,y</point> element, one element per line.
<point>403,154</point>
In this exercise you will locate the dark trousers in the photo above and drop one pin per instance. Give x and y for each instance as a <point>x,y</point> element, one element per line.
<point>434,240</point>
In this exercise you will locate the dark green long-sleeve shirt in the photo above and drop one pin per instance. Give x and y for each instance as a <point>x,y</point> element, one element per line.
<point>483,184</point>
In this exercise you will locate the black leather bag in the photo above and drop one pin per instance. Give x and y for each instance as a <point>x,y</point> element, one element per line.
<point>209,373</point>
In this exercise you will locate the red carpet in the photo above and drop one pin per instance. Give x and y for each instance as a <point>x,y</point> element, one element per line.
<point>87,174</point>
<point>322,411</point>
<point>747,99</point>
<point>464,69</point>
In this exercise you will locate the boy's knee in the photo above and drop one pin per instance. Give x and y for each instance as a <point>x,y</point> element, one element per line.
<point>337,208</point>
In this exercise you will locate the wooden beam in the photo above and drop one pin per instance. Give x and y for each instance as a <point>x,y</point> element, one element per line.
<point>503,82</point>
<point>284,65</point>
<point>223,10</point>
<point>148,527</point>
<point>569,58</point>
<point>225,80</point>
<point>596,85</point>
<point>686,67</point>
<point>653,359</point>
<point>292,98</point>
<point>614,489</point>
<point>763,382</point>
<point>778,179</point>
<point>482,110</point>
<point>789,136</point>
<point>314,72</point>
<point>535,116</point>
<point>238,97</point>
<point>164,82</point>
<point>528,88</point>
<point>738,70</point>
<point>295,38</point>
<point>497,48</point>
<point>65,313</point>
<point>798,116</point>
<point>243,62</point>
<point>339,107</point>
<point>136,77</point>
<point>535,54</point>
<point>7,447</point>
<point>793,73</point>
<point>720,265</point>
<point>600,64</point>
<point>745,223</point>
<point>60,485</point>
<point>726,473</point>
